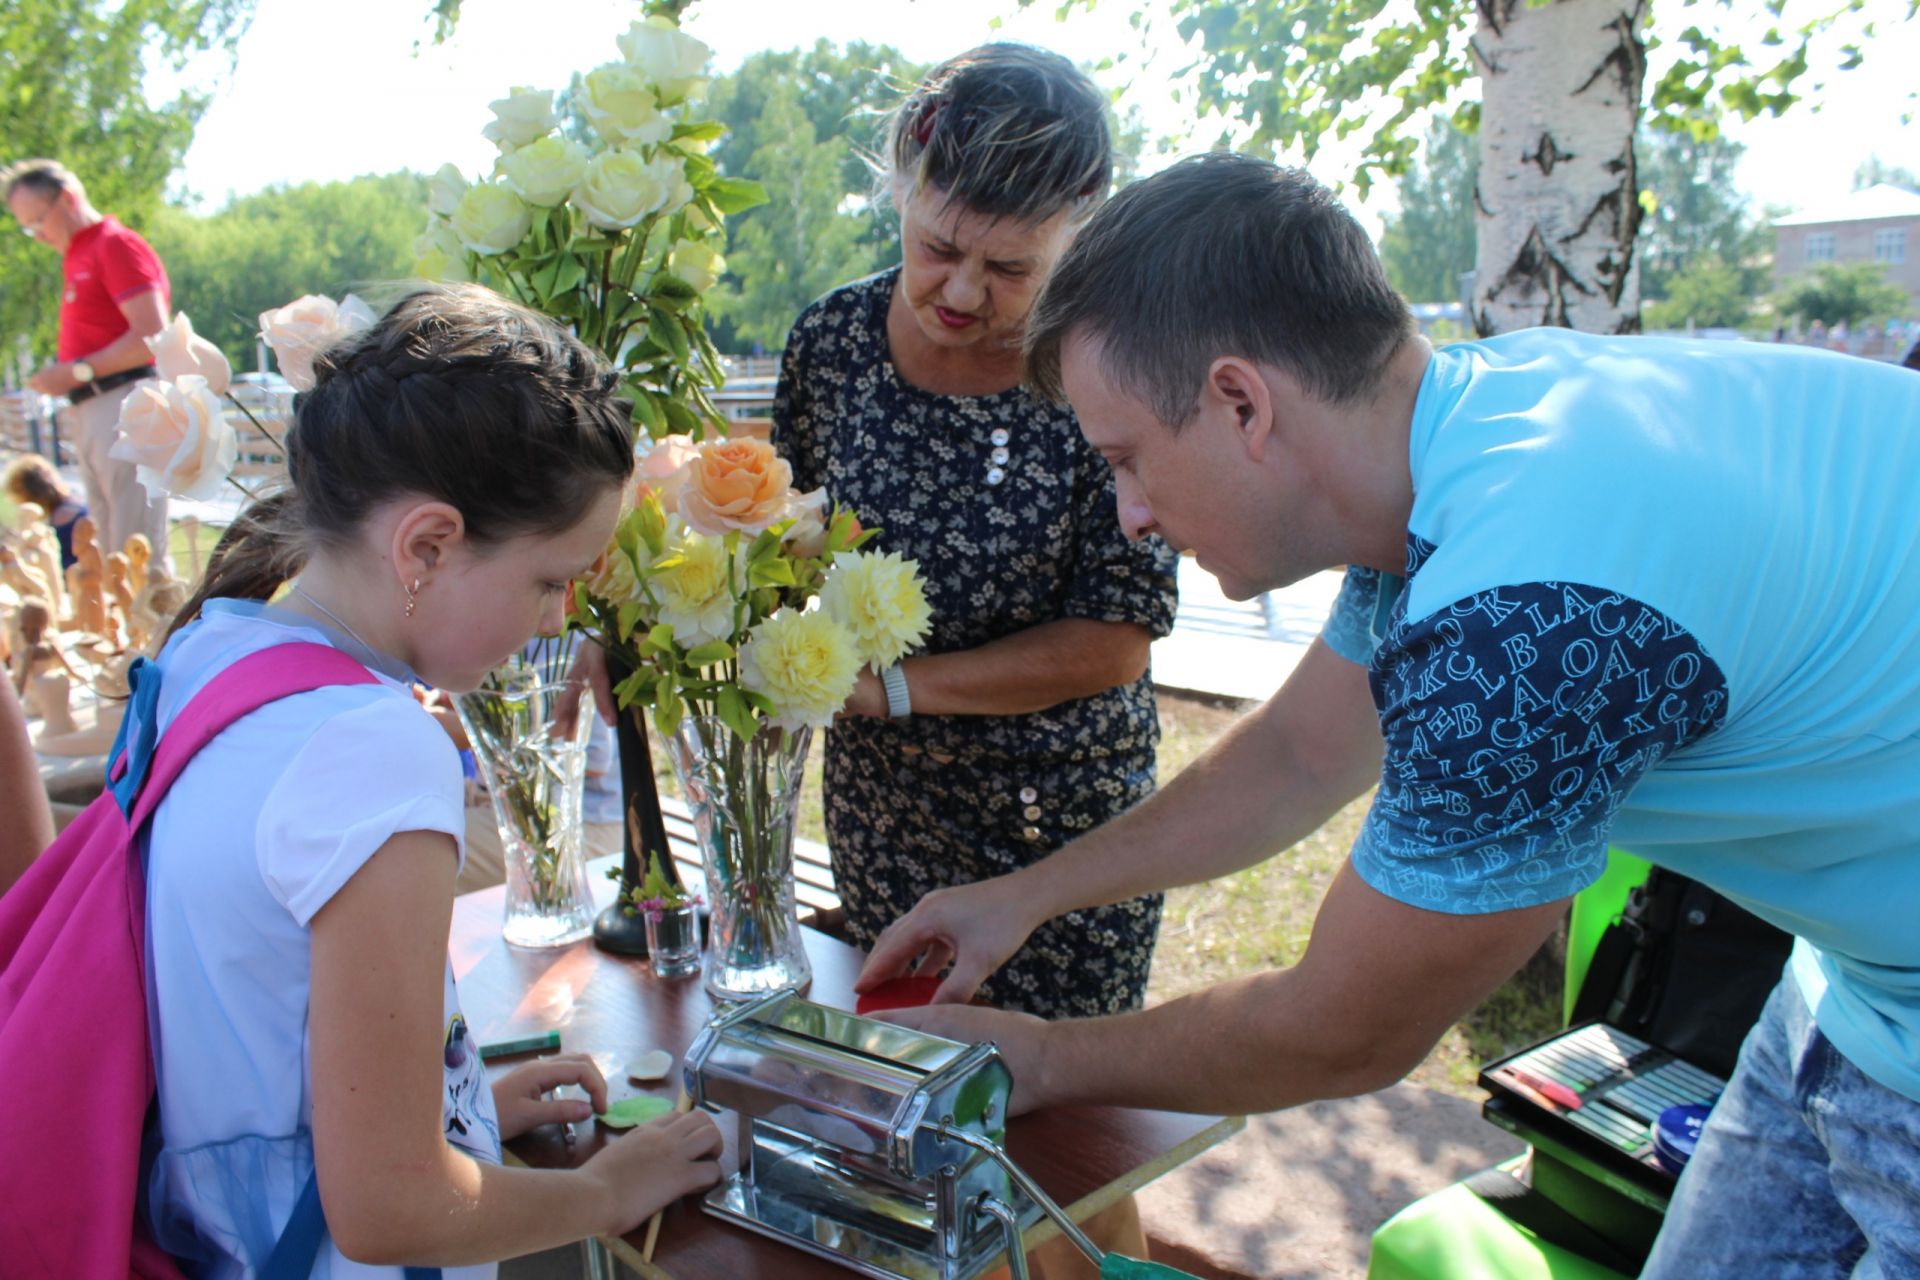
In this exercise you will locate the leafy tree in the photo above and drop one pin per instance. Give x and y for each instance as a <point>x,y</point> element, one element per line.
<point>72,76</point>
<point>1695,216</point>
<point>802,122</point>
<point>1562,91</point>
<point>1873,171</point>
<point>266,249</point>
<point>1841,291</point>
<point>1428,245</point>
<point>1707,292</point>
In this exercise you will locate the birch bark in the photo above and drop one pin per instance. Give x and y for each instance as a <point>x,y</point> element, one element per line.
<point>1558,200</point>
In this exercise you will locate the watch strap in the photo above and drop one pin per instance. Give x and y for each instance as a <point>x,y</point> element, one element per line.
<point>899,705</point>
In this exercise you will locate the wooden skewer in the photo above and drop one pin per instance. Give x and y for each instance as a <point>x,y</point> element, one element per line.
<point>680,1107</point>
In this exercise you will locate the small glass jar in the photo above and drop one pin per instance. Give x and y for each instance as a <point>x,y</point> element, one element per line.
<point>673,940</point>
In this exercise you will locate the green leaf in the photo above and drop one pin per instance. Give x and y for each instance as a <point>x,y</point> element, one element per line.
<point>736,713</point>
<point>629,616</point>
<point>710,653</point>
<point>735,195</point>
<point>681,419</point>
<point>700,131</point>
<point>770,573</point>
<point>661,635</point>
<point>568,273</point>
<point>665,330</point>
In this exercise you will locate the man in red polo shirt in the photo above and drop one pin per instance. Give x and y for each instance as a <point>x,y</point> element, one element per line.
<point>116,297</point>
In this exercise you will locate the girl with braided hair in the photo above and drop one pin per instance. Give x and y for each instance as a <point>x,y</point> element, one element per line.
<point>452,468</point>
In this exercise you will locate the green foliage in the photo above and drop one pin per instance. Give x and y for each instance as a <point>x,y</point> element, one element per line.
<point>1841,291</point>
<point>1297,73</point>
<point>71,88</point>
<point>267,249</point>
<point>1708,293</point>
<point>802,121</point>
<point>1429,244</point>
<point>1696,221</point>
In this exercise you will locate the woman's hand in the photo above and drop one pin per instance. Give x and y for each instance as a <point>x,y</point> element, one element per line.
<point>520,1096</point>
<point>651,1167</point>
<point>869,697</point>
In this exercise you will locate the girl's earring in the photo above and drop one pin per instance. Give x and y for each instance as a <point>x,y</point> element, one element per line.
<point>410,600</point>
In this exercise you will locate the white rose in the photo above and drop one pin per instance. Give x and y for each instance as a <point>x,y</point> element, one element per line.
<point>668,57</point>
<point>438,253</point>
<point>697,263</point>
<point>491,219</point>
<point>620,189</point>
<point>545,172</point>
<point>300,331</point>
<point>523,116</point>
<point>177,438</point>
<point>178,351</point>
<point>679,190</point>
<point>622,107</point>
<point>355,314</point>
<point>444,190</point>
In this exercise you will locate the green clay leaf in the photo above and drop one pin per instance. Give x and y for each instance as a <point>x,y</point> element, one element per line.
<point>628,1112</point>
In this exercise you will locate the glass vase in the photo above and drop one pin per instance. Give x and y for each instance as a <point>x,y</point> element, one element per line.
<point>536,779</point>
<point>745,799</point>
<point>673,940</point>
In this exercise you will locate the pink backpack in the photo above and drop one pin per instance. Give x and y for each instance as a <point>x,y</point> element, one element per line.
<point>76,1065</point>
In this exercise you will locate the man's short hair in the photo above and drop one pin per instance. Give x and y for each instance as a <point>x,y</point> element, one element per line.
<point>1220,255</point>
<point>45,177</point>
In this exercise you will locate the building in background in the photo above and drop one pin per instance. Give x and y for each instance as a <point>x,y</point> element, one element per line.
<point>1879,224</point>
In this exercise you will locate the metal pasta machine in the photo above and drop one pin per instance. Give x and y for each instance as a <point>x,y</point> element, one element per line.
<point>873,1145</point>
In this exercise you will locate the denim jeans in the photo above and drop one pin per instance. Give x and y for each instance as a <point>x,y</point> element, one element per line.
<point>1807,1168</point>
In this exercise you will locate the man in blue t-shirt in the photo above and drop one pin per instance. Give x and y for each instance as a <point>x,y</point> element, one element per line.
<point>1599,588</point>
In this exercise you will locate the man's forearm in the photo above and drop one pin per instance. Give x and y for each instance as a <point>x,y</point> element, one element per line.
<point>128,351</point>
<point>1274,779</point>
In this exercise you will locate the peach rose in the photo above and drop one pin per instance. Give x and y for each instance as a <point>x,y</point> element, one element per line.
<point>663,469</point>
<point>177,438</point>
<point>735,484</point>
<point>178,351</point>
<point>301,330</point>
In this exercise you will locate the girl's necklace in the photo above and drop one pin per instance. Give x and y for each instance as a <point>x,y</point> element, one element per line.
<point>300,591</point>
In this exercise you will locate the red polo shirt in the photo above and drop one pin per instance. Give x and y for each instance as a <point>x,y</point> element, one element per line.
<point>105,265</point>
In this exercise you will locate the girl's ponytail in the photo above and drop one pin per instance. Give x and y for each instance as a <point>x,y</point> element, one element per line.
<point>258,553</point>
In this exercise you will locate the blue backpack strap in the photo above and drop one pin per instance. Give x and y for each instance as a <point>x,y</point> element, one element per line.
<point>133,746</point>
<point>294,1253</point>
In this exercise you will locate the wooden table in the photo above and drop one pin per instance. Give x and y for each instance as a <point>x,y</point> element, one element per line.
<point>1086,1158</point>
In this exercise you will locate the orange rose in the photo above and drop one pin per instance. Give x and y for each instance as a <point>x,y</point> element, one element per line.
<point>735,484</point>
<point>663,469</point>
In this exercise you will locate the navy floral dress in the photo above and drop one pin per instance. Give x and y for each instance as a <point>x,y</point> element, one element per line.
<point>1011,517</point>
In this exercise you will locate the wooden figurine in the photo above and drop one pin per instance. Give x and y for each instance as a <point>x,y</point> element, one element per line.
<point>88,580</point>
<point>118,601</point>
<point>139,553</point>
<point>153,609</point>
<point>40,549</point>
<point>38,655</point>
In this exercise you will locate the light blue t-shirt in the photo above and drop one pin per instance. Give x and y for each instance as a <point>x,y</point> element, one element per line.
<point>1663,593</point>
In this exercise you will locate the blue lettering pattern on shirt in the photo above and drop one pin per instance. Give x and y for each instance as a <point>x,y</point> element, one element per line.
<point>1516,721</point>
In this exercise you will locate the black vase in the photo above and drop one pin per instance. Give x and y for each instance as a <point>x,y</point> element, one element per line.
<point>646,832</point>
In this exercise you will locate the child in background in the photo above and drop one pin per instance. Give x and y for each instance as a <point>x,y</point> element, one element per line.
<point>31,478</point>
<point>453,467</point>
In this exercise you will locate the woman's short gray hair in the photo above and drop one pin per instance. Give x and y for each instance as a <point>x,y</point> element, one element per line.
<point>1005,130</point>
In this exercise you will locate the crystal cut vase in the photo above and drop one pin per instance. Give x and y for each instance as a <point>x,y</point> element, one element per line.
<point>745,799</point>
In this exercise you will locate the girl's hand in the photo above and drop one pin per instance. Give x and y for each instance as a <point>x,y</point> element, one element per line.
<point>519,1097</point>
<point>651,1167</point>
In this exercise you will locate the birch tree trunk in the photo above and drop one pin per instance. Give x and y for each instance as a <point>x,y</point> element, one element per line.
<point>1558,200</point>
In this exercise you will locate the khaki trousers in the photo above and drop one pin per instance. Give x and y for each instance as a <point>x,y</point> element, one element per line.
<point>116,500</point>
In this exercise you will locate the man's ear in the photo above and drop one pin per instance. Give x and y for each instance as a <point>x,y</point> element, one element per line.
<point>424,538</point>
<point>1235,392</point>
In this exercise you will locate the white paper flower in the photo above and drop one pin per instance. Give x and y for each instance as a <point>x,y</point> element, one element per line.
<point>179,351</point>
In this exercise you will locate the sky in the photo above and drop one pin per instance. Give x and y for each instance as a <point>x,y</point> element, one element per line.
<point>325,92</point>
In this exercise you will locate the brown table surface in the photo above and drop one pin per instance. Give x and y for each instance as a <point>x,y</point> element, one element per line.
<point>1087,1158</point>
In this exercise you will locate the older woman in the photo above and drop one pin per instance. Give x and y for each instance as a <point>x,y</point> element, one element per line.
<point>1029,718</point>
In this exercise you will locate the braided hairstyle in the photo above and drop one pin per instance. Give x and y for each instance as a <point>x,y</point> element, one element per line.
<point>456,394</point>
<point>1005,130</point>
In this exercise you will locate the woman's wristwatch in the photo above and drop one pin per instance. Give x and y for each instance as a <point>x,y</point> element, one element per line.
<point>899,705</point>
